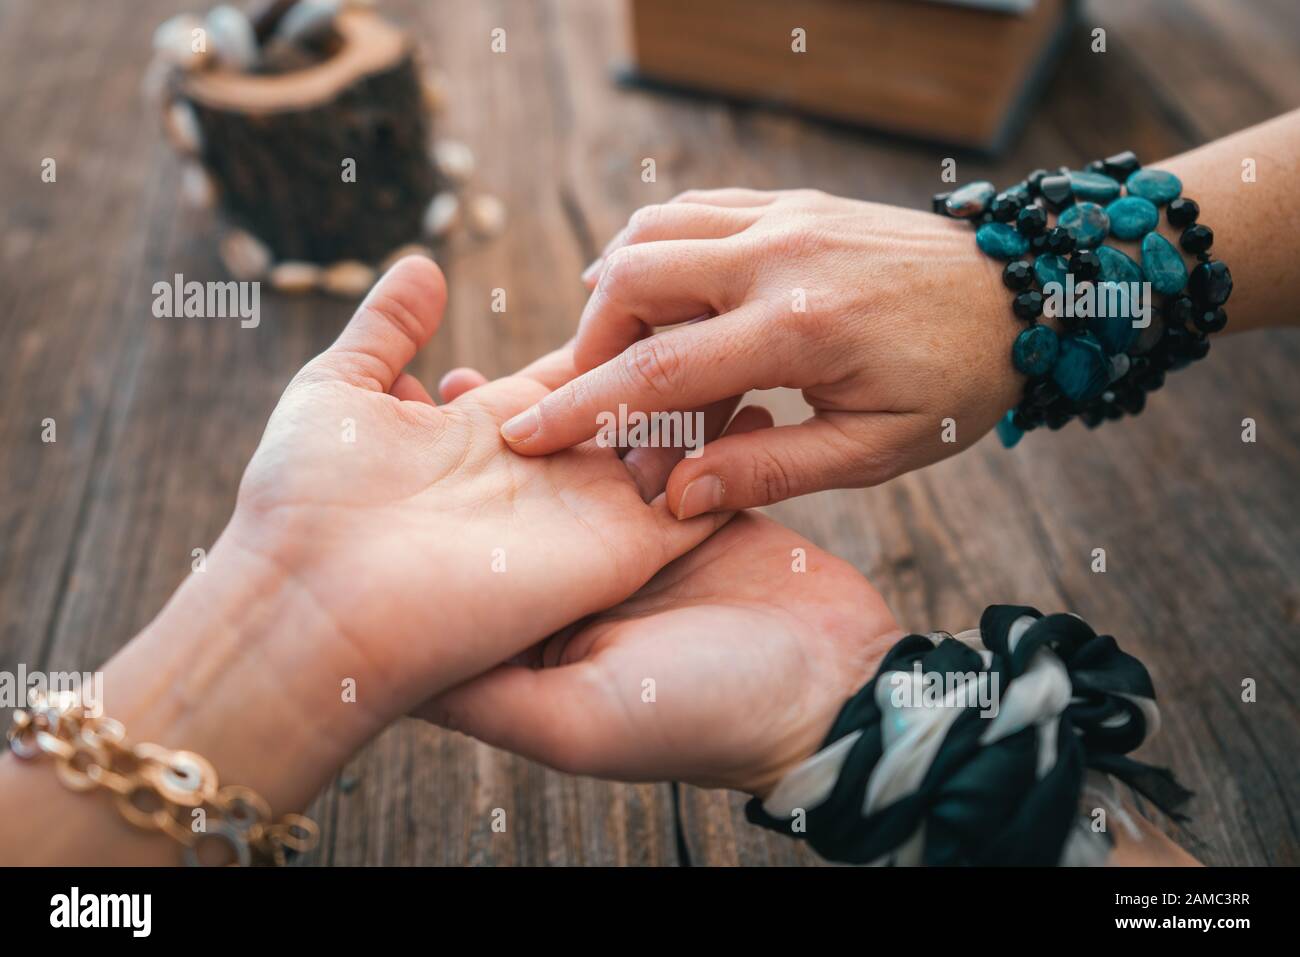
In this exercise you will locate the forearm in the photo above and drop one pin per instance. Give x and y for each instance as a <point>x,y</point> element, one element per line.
<point>240,668</point>
<point>1254,231</point>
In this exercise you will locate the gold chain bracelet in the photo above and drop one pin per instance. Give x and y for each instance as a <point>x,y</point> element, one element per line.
<point>153,786</point>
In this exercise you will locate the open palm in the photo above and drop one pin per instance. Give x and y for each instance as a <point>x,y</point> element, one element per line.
<point>381,504</point>
<point>725,670</point>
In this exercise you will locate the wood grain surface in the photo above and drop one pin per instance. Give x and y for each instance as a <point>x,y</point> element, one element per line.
<point>156,418</point>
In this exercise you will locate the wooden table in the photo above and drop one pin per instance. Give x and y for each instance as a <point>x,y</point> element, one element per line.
<point>156,418</point>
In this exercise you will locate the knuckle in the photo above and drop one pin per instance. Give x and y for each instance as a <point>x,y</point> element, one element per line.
<point>793,243</point>
<point>396,314</point>
<point>653,365</point>
<point>869,469</point>
<point>621,270</point>
<point>770,479</point>
<point>889,461</point>
<point>817,333</point>
<point>809,196</point>
<point>336,369</point>
<point>317,371</point>
<point>863,461</point>
<point>871,472</point>
<point>644,222</point>
<point>565,403</point>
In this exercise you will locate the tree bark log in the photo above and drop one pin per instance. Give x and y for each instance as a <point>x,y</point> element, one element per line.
<point>276,146</point>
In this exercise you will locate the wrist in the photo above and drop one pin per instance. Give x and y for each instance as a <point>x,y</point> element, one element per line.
<point>1006,384</point>
<point>237,668</point>
<point>242,667</point>
<point>823,710</point>
<point>991,299</point>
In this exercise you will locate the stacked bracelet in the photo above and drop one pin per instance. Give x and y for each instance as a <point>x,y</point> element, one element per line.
<point>1105,360</point>
<point>155,788</point>
<point>976,749</point>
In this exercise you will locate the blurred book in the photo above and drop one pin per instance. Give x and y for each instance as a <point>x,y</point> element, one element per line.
<point>1002,6</point>
<point>952,71</point>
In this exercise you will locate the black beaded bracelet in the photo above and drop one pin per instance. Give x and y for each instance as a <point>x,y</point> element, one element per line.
<point>1102,365</point>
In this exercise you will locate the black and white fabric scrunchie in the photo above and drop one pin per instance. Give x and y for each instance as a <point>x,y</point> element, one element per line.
<point>975,749</point>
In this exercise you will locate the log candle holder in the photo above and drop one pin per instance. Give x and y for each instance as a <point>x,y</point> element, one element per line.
<point>323,169</point>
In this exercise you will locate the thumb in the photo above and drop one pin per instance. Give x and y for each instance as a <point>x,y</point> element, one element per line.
<point>397,317</point>
<point>829,450</point>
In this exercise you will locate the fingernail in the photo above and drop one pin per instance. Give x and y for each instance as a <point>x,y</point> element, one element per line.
<point>702,495</point>
<point>590,272</point>
<point>520,427</point>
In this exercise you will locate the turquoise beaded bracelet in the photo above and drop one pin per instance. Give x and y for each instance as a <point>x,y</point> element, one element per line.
<point>1105,361</point>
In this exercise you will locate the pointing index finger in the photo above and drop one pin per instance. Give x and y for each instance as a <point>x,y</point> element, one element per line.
<point>683,368</point>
